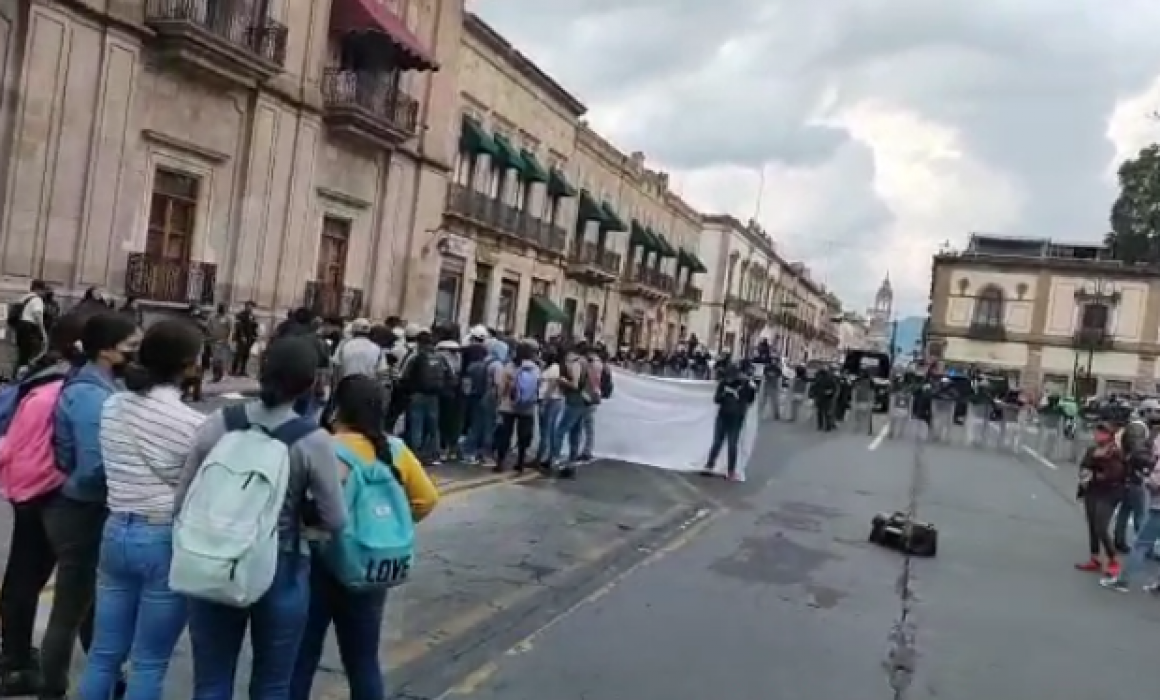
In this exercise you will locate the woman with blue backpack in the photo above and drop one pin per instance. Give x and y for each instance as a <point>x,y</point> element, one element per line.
<point>387,491</point>
<point>518,388</point>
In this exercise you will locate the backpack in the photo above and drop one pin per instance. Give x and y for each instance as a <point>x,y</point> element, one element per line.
<point>525,391</point>
<point>27,453</point>
<point>12,393</point>
<point>376,548</point>
<point>606,383</point>
<point>16,312</point>
<point>477,378</point>
<point>428,373</point>
<point>225,539</point>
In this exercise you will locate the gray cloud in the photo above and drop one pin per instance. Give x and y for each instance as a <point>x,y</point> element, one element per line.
<point>1028,87</point>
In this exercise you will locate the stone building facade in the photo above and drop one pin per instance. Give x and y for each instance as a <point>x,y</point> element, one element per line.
<point>753,292</point>
<point>542,214</point>
<point>1054,317</point>
<point>201,151</point>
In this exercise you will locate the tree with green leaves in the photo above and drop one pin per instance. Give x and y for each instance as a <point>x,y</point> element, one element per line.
<point>1135,220</point>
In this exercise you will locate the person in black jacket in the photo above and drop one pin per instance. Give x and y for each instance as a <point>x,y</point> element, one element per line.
<point>824,392</point>
<point>735,394</point>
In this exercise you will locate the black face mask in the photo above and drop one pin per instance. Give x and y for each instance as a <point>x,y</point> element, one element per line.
<point>122,367</point>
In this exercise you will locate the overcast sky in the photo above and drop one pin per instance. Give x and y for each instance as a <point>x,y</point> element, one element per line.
<point>885,127</point>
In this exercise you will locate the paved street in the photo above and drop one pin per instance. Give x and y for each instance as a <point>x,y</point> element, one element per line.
<point>781,597</point>
<point>600,588</point>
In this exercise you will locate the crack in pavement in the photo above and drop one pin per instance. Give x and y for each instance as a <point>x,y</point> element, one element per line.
<point>902,648</point>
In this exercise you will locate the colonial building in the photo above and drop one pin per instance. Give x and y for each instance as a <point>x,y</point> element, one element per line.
<point>1054,316</point>
<point>510,205</point>
<point>549,228</point>
<point>633,250</point>
<point>753,292</point>
<point>195,151</point>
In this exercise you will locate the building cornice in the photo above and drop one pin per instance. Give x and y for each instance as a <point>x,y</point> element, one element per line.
<point>483,33</point>
<point>1080,267</point>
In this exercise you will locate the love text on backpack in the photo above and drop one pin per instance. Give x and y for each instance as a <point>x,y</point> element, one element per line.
<point>376,548</point>
<point>225,539</point>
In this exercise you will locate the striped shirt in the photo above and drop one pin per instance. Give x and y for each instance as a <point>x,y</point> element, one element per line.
<point>144,443</point>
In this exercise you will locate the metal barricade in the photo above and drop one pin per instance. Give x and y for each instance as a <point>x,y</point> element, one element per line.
<point>861,418</point>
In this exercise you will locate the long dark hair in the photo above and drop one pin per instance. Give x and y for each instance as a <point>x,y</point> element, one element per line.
<point>359,406</point>
<point>167,351</point>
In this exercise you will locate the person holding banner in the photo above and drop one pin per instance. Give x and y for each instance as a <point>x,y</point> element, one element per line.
<point>735,393</point>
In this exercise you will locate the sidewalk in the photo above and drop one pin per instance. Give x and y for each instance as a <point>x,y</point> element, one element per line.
<point>242,386</point>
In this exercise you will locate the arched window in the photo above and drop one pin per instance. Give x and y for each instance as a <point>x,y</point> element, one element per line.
<point>1094,317</point>
<point>988,307</point>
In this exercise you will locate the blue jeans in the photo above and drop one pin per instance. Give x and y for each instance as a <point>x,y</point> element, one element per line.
<point>588,428</point>
<point>137,617</point>
<point>423,425</point>
<point>550,412</point>
<point>571,422</point>
<point>358,625</point>
<point>1134,505</point>
<point>276,623</point>
<point>481,433</point>
<point>1146,538</point>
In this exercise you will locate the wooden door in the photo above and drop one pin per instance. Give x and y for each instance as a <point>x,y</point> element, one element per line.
<point>332,250</point>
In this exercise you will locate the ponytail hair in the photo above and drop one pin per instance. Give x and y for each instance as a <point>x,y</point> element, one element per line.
<point>359,405</point>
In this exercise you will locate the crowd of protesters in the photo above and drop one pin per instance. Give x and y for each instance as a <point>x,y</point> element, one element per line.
<point>107,470</point>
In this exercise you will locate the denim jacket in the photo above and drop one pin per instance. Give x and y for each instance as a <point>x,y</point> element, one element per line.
<point>76,433</point>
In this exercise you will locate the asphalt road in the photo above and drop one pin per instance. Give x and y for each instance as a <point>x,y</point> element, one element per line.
<point>780,596</point>
<point>636,583</point>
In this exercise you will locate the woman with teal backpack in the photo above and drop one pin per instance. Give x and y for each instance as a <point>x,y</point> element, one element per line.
<point>353,571</point>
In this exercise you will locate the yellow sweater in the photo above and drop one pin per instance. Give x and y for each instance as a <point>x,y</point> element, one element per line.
<point>421,491</point>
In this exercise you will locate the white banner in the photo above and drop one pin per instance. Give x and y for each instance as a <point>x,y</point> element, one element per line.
<point>665,423</point>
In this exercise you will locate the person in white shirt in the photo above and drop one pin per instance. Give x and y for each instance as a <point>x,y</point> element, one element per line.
<point>31,337</point>
<point>551,408</point>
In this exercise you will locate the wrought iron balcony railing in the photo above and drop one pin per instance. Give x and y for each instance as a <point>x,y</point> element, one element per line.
<point>333,300</point>
<point>176,281</point>
<point>375,94</point>
<point>231,22</point>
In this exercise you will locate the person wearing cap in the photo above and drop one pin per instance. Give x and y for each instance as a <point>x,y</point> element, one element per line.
<point>358,355</point>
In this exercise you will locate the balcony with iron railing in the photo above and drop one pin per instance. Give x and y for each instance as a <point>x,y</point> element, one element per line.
<point>983,330</point>
<point>541,234</point>
<point>226,39</point>
<point>369,106</point>
<point>686,297</point>
<point>168,280</point>
<point>503,219</point>
<point>1093,338</point>
<point>331,300</point>
<point>588,263</point>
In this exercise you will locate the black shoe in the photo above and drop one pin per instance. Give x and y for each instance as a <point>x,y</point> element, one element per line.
<point>567,473</point>
<point>20,682</point>
<point>1122,548</point>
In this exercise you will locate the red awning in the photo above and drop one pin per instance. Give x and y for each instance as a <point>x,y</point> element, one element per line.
<point>374,15</point>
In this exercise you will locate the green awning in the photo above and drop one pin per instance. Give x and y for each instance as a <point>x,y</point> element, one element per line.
<point>640,235</point>
<point>612,220</point>
<point>558,185</point>
<point>691,261</point>
<point>589,210</point>
<point>663,247</point>
<point>547,307</point>
<point>506,154</point>
<point>473,139</point>
<point>533,171</point>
